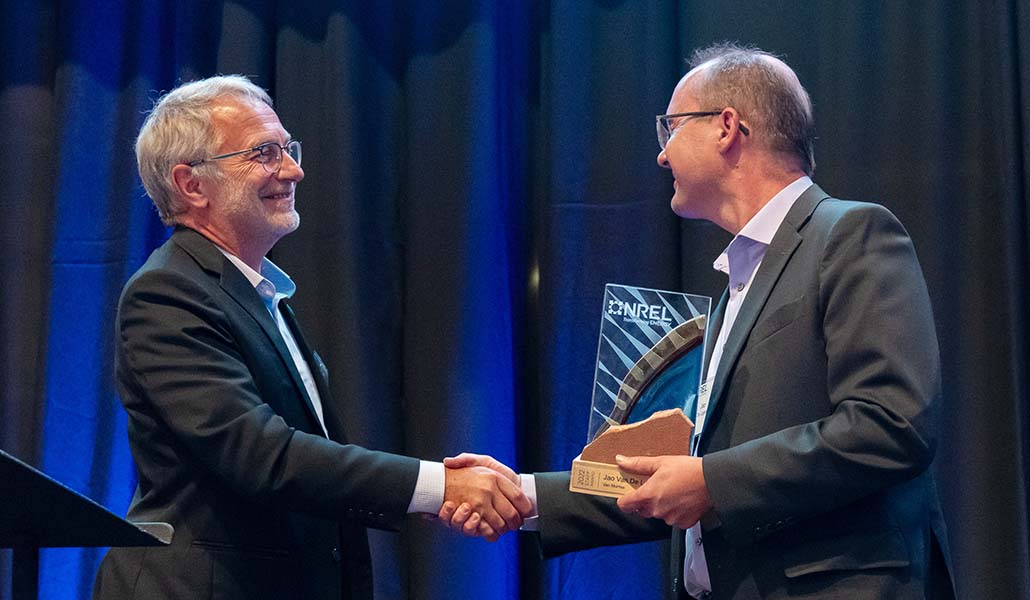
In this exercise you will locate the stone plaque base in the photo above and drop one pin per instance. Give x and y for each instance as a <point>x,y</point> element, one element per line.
<point>666,432</point>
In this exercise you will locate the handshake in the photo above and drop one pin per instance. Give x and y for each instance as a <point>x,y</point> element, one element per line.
<point>482,497</point>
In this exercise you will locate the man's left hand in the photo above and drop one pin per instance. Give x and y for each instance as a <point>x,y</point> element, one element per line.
<point>675,493</point>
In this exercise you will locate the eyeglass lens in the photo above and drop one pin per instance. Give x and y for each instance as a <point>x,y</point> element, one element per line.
<point>664,132</point>
<point>271,155</point>
<point>293,149</point>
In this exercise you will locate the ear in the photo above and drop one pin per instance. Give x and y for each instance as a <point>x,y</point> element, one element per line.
<point>190,187</point>
<point>733,132</point>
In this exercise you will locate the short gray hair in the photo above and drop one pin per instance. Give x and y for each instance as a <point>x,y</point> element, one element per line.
<point>766,92</point>
<point>178,130</point>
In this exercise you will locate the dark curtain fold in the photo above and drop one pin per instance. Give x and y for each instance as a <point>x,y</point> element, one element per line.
<point>475,173</point>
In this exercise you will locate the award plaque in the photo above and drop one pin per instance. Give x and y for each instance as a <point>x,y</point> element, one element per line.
<point>649,362</point>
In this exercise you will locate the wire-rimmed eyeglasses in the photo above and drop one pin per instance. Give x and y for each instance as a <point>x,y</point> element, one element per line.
<point>666,131</point>
<point>269,155</point>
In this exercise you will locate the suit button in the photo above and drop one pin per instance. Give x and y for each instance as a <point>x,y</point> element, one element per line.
<point>335,553</point>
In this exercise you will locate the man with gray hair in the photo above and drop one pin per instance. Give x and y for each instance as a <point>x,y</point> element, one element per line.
<point>814,432</point>
<point>237,441</point>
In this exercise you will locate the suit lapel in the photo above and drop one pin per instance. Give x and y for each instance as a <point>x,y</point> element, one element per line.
<point>319,373</point>
<point>239,288</point>
<point>714,325</point>
<point>784,243</point>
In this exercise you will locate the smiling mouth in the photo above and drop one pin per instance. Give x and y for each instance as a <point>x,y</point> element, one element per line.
<point>280,196</point>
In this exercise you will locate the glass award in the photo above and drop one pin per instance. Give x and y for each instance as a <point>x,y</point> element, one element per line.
<point>650,355</point>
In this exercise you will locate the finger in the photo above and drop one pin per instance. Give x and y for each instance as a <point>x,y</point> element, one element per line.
<point>514,494</point>
<point>512,503</point>
<point>488,532</point>
<point>492,518</point>
<point>638,465</point>
<point>632,503</point>
<point>461,515</point>
<point>508,512</point>
<point>472,525</point>
<point>446,512</point>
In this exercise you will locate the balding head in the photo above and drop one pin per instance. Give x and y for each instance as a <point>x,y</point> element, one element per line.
<point>766,93</point>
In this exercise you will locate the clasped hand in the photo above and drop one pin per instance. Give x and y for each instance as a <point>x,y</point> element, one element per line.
<point>487,489</point>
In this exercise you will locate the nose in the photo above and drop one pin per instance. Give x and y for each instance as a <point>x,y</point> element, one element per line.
<point>289,170</point>
<point>663,161</point>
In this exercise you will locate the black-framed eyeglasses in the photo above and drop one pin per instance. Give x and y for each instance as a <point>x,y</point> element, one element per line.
<point>269,155</point>
<point>666,130</point>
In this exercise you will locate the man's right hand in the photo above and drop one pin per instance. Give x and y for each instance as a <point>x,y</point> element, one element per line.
<point>483,488</point>
<point>462,517</point>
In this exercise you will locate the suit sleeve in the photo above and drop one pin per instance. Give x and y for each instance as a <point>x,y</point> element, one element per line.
<point>191,397</point>
<point>882,373</point>
<point>571,521</point>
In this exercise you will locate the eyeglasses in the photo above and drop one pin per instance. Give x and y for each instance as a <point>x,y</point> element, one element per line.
<point>666,131</point>
<point>269,155</point>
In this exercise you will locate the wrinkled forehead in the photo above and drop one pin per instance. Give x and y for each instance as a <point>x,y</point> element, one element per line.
<point>244,121</point>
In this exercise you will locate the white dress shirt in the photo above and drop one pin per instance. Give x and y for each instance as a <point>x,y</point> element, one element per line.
<point>740,262</point>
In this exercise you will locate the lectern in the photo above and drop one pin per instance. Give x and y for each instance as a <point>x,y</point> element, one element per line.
<point>38,512</point>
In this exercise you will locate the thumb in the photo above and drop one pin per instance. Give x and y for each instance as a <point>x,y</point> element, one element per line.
<point>468,459</point>
<point>461,461</point>
<point>638,465</point>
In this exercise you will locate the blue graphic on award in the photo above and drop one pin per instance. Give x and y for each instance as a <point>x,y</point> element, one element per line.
<point>649,355</point>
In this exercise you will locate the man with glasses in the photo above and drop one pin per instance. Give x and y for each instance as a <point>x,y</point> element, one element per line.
<point>236,439</point>
<point>814,435</point>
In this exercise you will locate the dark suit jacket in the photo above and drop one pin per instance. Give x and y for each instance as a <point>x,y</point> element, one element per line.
<point>819,429</point>
<point>228,449</point>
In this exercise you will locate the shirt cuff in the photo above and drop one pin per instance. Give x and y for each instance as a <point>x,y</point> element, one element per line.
<point>429,488</point>
<point>531,523</point>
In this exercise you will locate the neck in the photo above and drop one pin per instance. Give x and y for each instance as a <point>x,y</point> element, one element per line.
<point>252,259</point>
<point>246,250</point>
<point>748,195</point>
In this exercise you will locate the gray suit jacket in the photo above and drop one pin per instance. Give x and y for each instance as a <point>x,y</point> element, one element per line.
<point>229,451</point>
<point>819,429</point>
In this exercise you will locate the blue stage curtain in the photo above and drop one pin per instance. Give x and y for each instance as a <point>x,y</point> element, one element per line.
<point>476,171</point>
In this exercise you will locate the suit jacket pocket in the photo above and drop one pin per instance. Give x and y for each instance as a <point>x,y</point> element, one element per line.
<point>852,552</point>
<point>777,320</point>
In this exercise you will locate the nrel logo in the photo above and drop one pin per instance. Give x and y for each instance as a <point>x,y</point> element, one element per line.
<point>638,310</point>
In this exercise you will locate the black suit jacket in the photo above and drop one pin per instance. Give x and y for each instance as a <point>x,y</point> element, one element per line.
<point>229,451</point>
<point>819,429</point>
